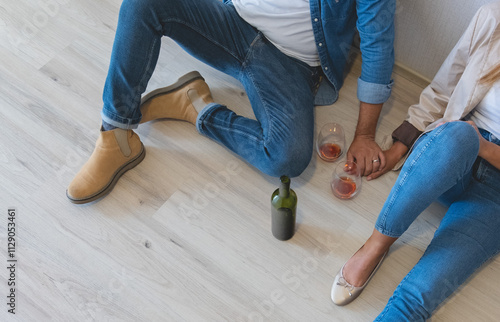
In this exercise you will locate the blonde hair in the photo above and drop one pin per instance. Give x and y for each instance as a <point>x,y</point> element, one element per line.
<point>492,76</point>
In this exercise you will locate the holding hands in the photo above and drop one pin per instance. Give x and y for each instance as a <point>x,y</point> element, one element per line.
<point>392,157</point>
<point>363,148</point>
<point>367,154</point>
<point>371,160</point>
<point>397,151</point>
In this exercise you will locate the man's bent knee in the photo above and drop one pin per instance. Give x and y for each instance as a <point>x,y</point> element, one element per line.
<point>291,163</point>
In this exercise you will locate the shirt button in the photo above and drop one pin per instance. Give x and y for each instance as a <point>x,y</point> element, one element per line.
<point>326,68</point>
<point>320,44</point>
<point>315,19</point>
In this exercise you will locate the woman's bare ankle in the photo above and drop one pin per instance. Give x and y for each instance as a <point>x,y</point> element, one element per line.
<point>379,243</point>
<point>359,267</point>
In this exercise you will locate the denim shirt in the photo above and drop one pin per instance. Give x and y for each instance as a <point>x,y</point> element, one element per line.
<point>334,25</point>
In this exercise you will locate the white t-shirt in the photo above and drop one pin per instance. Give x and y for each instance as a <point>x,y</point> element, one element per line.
<point>486,115</point>
<point>286,23</point>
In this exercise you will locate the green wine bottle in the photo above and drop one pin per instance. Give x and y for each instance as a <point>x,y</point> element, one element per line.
<point>283,210</point>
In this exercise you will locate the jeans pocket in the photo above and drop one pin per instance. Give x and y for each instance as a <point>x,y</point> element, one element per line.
<point>317,78</point>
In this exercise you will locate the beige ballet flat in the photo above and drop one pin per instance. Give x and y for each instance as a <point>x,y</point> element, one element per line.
<point>344,293</point>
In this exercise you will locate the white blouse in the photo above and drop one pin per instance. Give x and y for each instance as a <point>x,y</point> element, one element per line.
<point>486,115</point>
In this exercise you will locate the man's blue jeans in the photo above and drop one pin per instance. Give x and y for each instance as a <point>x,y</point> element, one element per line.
<point>280,88</point>
<point>443,164</point>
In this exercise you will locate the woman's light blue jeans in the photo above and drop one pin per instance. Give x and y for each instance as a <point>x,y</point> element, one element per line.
<point>280,88</point>
<point>443,164</point>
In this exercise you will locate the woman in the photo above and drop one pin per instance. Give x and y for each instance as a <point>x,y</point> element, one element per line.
<point>455,161</point>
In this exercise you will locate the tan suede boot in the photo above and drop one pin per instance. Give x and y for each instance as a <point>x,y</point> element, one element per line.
<point>176,101</point>
<point>116,152</point>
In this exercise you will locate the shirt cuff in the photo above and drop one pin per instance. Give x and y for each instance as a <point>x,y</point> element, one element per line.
<point>373,93</point>
<point>406,133</point>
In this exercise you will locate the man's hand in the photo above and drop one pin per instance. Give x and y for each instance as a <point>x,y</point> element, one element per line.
<point>364,150</point>
<point>392,157</point>
<point>367,154</point>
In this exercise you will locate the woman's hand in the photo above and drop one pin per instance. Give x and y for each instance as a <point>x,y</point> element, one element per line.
<point>392,157</point>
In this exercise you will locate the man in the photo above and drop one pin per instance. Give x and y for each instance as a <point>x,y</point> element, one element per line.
<point>288,54</point>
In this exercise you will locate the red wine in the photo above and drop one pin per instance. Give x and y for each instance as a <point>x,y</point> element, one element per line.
<point>330,151</point>
<point>344,188</point>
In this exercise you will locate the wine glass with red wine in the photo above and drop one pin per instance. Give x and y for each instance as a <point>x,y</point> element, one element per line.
<point>346,180</point>
<point>330,142</point>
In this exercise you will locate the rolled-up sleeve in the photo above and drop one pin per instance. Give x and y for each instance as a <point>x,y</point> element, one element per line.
<point>373,93</point>
<point>375,25</point>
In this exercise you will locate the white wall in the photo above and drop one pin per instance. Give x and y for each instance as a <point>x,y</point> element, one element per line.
<point>426,31</point>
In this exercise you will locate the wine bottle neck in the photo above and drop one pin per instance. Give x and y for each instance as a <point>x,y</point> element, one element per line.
<point>284,187</point>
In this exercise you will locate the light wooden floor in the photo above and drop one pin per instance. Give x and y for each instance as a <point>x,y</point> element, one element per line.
<point>185,236</point>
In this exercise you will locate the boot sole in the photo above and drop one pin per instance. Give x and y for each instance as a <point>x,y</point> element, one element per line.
<point>181,82</point>
<point>114,179</point>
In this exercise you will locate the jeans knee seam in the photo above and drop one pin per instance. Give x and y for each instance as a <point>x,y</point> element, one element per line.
<point>148,63</point>
<point>237,131</point>
<point>394,197</point>
<point>265,139</point>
